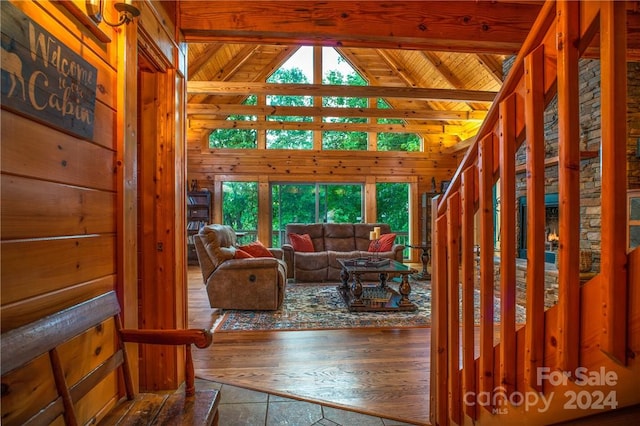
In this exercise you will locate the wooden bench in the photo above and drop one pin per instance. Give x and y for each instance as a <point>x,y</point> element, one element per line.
<point>71,368</point>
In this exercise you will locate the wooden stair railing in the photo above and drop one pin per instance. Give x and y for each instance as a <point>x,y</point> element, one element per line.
<point>510,358</point>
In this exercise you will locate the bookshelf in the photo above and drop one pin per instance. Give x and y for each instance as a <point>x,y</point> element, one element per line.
<point>198,215</point>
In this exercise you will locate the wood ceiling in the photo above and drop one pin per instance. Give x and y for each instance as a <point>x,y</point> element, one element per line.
<point>449,53</point>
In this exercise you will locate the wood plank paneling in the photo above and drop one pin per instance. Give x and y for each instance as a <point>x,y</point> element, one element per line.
<point>33,150</point>
<point>34,267</point>
<point>36,209</point>
<point>28,310</point>
<point>24,390</point>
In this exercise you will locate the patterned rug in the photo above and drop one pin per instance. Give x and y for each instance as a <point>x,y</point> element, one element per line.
<point>313,306</point>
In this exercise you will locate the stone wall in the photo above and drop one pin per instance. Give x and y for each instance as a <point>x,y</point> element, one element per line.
<point>590,179</point>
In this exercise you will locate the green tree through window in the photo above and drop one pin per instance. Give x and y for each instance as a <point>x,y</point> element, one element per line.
<point>313,203</point>
<point>240,208</point>
<point>289,139</point>
<point>236,138</point>
<point>392,200</point>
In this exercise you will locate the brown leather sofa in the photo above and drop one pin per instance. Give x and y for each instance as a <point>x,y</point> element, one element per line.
<point>332,241</point>
<point>256,283</point>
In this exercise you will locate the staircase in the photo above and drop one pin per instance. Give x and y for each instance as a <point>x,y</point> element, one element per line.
<point>579,357</point>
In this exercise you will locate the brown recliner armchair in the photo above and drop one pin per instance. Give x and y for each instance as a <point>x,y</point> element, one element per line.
<point>256,283</point>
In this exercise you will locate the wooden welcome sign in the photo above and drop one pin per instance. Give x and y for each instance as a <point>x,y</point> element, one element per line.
<point>44,79</point>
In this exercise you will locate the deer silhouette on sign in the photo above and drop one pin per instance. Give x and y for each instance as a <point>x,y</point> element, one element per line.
<point>12,64</point>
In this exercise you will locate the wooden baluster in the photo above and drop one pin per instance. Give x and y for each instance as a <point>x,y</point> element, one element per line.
<point>485,186</point>
<point>189,374</point>
<point>614,179</point>
<point>439,301</point>
<point>568,326</point>
<point>453,276</point>
<point>508,351</point>
<point>534,117</point>
<point>434,312</point>
<point>468,274</point>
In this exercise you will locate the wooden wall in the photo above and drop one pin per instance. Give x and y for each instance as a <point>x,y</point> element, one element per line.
<point>211,167</point>
<point>69,209</point>
<point>59,202</point>
<point>59,192</point>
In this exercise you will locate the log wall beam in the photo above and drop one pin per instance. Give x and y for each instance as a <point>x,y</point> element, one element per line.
<point>465,26</point>
<point>432,129</point>
<point>213,111</point>
<point>249,88</point>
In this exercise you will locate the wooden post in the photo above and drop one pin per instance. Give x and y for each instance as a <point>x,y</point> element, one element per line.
<point>614,179</point>
<point>468,274</point>
<point>534,119</point>
<point>453,304</point>
<point>567,16</point>
<point>508,351</point>
<point>485,170</point>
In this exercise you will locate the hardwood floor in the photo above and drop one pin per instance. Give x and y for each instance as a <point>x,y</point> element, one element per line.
<point>382,372</point>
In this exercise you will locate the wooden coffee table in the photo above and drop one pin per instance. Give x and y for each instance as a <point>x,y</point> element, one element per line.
<point>375,298</point>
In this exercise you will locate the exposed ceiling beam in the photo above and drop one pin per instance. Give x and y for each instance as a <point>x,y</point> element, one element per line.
<point>198,63</point>
<point>493,65</point>
<point>398,70</point>
<point>463,26</point>
<point>444,71</point>
<point>234,88</point>
<point>460,146</point>
<point>338,127</point>
<point>202,110</point>
<point>231,67</point>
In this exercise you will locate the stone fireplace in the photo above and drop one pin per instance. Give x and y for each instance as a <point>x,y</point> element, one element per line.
<point>552,230</point>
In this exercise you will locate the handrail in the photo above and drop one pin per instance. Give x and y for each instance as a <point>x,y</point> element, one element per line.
<point>547,64</point>
<point>542,23</point>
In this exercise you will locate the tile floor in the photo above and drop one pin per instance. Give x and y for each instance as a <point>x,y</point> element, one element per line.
<point>245,407</point>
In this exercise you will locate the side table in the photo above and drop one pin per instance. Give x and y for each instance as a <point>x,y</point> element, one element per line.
<point>424,274</point>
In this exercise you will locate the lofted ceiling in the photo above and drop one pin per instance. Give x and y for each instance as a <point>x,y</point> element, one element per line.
<point>450,53</point>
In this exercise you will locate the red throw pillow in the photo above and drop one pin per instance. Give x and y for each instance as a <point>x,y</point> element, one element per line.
<point>256,249</point>
<point>241,254</point>
<point>384,243</point>
<point>301,243</point>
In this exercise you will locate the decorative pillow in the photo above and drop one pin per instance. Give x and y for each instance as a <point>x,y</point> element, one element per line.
<point>384,243</point>
<point>301,243</point>
<point>256,249</point>
<point>241,254</point>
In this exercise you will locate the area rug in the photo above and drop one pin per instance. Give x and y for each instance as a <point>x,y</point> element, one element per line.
<point>320,307</point>
<point>316,306</point>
